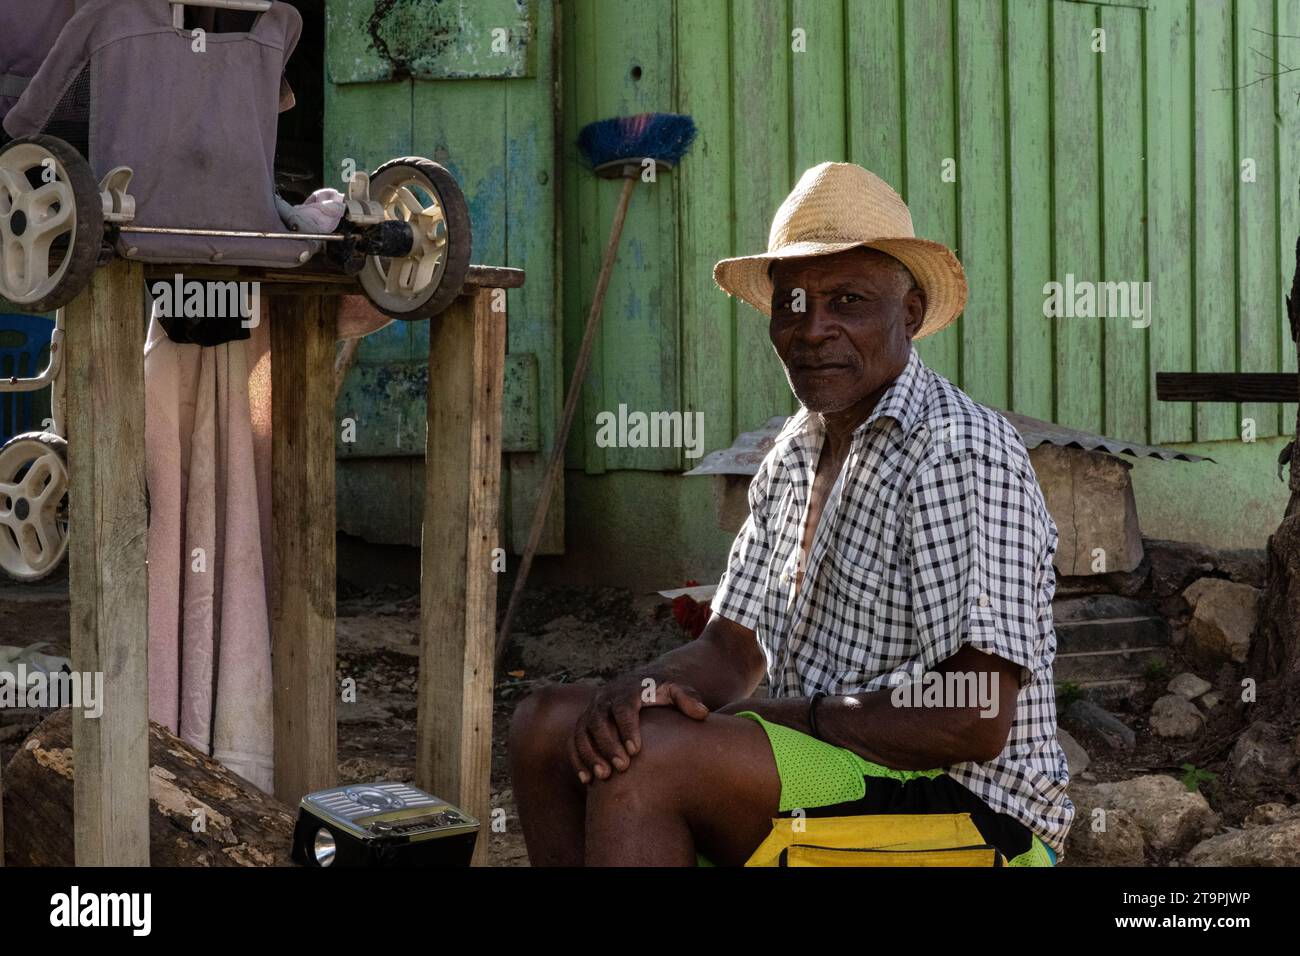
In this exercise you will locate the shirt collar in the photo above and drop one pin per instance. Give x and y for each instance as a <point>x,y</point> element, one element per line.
<point>902,402</point>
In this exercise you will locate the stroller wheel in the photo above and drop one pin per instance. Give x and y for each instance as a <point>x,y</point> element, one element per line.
<point>425,281</point>
<point>51,223</point>
<point>33,505</point>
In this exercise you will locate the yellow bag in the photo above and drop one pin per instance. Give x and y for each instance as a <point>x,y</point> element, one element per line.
<point>928,839</point>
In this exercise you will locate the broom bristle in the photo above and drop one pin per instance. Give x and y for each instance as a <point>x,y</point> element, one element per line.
<point>663,137</point>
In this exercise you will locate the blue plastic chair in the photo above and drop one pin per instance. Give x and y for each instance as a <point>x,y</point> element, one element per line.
<point>24,350</point>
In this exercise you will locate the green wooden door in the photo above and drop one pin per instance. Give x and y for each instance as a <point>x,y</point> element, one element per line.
<point>427,79</point>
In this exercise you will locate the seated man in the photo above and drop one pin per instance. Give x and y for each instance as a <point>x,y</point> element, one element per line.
<point>894,582</point>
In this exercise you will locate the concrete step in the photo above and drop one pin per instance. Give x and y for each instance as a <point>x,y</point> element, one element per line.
<point>1107,644</point>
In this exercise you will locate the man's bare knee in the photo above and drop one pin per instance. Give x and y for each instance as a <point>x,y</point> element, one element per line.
<point>545,719</point>
<point>673,746</point>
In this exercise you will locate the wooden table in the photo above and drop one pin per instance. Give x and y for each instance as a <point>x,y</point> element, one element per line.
<point>104,369</point>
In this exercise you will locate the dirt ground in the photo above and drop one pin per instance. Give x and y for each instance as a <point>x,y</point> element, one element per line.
<point>561,635</point>
<point>572,635</point>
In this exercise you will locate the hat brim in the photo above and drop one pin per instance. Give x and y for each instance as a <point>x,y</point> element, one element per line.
<point>936,270</point>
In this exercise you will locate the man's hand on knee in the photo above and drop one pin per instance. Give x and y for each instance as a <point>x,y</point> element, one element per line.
<point>608,733</point>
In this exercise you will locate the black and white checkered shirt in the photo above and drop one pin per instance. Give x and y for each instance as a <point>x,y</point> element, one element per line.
<point>934,536</point>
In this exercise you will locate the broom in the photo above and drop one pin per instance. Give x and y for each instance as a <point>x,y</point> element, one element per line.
<point>623,148</point>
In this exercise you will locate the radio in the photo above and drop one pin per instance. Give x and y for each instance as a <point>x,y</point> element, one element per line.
<point>381,824</point>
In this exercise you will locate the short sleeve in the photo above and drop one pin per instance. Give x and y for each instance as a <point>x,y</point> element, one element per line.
<point>741,590</point>
<point>980,537</point>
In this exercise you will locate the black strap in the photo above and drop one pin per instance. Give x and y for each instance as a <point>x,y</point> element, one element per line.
<point>13,85</point>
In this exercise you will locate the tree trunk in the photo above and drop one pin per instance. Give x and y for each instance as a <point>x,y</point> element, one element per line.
<point>200,814</point>
<point>1275,648</point>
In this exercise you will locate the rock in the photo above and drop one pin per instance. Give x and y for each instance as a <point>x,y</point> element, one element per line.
<point>1267,814</point>
<point>1188,685</point>
<point>1100,836</point>
<point>1211,700</point>
<point>1075,755</point>
<point>1176,564</point>
<point>1223,618</point>
<point>1261,758</point>
<point>1274,845</point>
<point>1175,716</point>
<point>1090,495</point>
<point>1244,565</point>
<point>1171,817</point>
<point>1086,718</point>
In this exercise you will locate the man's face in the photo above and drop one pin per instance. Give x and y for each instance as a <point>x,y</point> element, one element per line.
<point>859,313</point>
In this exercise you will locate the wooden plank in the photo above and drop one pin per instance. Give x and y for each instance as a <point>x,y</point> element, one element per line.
<point>585,237</point>
<point>1215,188</point>
<point>449,126</point>
<point>1257,387</point>
<point>632,72</point>
<point>108,583</point>
<point>817,83</point>
<point>929,55</point>
<point>704,184</point>
<point>534,236</point>
<point>1124,362</point>
<point>414,38</point>
<point>1077,184</point>
<point>303,560</point>
<point>392,517</point>
<point>1169,208</point>
<point>1287,161</point>
<point>983,195</point>
<point>1029,192</point>
<point>762,176</point>
<point>457,584</point>
<point>365,125</point>
<point>1259,285</point>
<point>874,90</point>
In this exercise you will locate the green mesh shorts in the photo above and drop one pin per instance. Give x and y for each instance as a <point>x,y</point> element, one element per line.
<point>822,780</point>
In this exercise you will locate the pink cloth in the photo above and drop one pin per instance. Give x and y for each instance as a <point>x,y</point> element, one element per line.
<point>209,628</point>
<point>208,452</point>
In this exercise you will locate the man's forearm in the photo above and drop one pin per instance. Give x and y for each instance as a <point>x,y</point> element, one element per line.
<point>723,664</point>
<point>874,728</point>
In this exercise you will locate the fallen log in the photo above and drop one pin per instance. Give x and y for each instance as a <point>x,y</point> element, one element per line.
<point>200,814</point>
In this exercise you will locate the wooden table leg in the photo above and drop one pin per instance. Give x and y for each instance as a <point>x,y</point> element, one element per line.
<point>108,583</point>
<point>302,504</point>
<point>467,348</point>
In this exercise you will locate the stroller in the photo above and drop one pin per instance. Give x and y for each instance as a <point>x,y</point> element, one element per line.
<point>146,129</point>
<point>145,134</point>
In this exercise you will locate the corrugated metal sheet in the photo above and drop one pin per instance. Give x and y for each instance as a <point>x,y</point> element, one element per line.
<point>749,449</point>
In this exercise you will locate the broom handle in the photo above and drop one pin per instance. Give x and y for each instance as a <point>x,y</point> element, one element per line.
<point>555,468</point>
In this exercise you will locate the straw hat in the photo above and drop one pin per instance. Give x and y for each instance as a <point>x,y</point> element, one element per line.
<point>838,206</point>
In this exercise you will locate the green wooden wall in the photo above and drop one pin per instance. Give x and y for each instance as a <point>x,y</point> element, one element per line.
<point>1122,165</point>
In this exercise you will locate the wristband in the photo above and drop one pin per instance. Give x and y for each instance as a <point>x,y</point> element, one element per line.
<point>812,713</point>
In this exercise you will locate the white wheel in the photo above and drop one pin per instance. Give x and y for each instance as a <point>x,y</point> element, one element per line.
<point>33,505</point>
<point>422,283</point>
<point>51,223</point>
